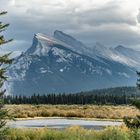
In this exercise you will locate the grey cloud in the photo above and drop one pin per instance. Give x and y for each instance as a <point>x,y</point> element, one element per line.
<point>110,36</point>
<point>4,2</point>
<point>108,14</point>
<point>108,24</point>
<point>138,16</point>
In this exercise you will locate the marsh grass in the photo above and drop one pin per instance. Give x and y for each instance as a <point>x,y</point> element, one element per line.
<point>71,133</point>
<point>79,111</point>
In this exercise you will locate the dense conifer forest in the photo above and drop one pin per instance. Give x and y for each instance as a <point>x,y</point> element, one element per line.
<point>113,96</point>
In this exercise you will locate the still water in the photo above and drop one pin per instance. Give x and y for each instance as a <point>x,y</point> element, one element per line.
<point>62,123</point>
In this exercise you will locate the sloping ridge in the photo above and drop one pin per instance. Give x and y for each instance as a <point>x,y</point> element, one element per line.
<point>53,66</point>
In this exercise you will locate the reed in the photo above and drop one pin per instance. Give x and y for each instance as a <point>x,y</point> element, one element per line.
<point>84,111</point>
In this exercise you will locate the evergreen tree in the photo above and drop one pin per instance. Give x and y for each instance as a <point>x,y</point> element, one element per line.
<point>4,60</point>
<point>134,123</point>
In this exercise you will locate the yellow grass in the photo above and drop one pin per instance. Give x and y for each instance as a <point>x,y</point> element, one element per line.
<point>79,111</point>
<point>72,133</point>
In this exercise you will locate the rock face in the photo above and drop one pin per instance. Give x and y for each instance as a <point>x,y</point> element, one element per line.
<point>63,64</point>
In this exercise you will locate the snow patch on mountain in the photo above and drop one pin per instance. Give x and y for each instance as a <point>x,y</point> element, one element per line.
<point>21,65</point>
<point>63,64</point>
<point>118,56</point>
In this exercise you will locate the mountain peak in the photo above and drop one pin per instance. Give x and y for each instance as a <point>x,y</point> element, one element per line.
<point>61,36</point>
<point>43,37</point>
<point>58,32</point>
<point>41,44</point>
<point>99,47</point>
<point>75,44</point>
<point>120,47</point>
<point>123,49</point>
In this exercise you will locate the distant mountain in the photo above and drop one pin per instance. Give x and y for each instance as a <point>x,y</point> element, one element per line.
<point>116,91</point>
<point>119,54</point>
<point>131,54</point>
<point>64,64</point>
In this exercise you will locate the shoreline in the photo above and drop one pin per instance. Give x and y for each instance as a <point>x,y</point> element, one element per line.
<point>70,118</point>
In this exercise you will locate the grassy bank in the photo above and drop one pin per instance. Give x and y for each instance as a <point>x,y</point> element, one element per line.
<point>80,111</point>
<point>72,133</point>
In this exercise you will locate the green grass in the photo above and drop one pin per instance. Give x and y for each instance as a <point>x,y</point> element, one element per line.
<point>72,133</point>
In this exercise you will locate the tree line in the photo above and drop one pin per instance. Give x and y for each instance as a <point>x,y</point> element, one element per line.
<point>114,96</point>
<point>69,99</point>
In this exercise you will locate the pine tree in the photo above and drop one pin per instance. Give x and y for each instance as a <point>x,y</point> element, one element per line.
<point>4,61</point>
<point>134,122</point>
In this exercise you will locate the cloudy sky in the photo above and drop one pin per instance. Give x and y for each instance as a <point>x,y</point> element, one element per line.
<point>110,22</point>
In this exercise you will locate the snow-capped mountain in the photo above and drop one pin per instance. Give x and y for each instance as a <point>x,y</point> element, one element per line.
<point>130,53</point>
<point>63,64</point>
<point>125,56</point>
